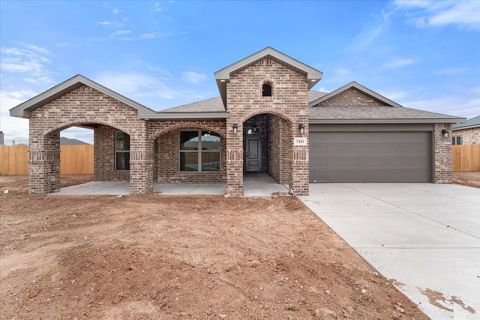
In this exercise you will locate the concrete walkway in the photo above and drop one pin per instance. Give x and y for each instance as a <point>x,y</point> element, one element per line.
<point>255,185</point>
<point>425,236</point>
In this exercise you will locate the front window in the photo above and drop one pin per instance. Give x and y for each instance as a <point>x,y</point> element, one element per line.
<point>199,151</point>
<point>458,140</point>
<point>122,151</point>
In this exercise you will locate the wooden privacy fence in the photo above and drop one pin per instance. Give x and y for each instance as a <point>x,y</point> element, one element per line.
<point>466,157</point>
<point>74,159</point>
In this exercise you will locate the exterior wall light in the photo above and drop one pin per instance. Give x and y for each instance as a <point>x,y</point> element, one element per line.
<point>301,128</point>
<point>445,133</point>
<point>235,128</point>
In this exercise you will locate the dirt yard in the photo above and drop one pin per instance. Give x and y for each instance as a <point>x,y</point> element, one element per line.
<point>159,257</point>
<point>471,179</point>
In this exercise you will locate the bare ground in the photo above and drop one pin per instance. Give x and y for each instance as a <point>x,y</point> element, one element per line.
<point>159,257</point>
<point>471,179</point>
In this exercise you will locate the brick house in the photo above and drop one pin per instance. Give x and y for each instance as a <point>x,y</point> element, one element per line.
<point>266,119</point>
<point>467,132</point>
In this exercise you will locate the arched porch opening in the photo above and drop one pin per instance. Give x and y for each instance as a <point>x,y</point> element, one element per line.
<point>190,154</point>
<point>48,158</point>
<point>267,152</point>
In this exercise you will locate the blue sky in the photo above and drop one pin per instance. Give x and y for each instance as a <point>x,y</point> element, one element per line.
<point>423,54</point>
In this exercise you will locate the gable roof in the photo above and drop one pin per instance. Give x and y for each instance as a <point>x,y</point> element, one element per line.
<point>359,87</point>
<point>223,75</point>
<point>376,114</point>
<point>470,123</point>
<point>24,109</point>
<point>216,104</point>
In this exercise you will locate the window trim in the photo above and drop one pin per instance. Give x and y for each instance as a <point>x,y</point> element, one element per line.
<point>115,151</point>
<point>199,152</point>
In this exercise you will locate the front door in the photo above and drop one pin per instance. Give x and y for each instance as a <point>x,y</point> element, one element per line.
<point>253,154</point>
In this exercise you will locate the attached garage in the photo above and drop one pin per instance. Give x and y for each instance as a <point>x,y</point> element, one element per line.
<point>371,153</point>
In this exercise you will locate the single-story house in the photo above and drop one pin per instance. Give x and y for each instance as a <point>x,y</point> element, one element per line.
<point>467,132</point>
<point>266,119</point>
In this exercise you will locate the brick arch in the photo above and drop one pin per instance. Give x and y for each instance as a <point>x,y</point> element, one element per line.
<point>179,126</point>
<point>267,111</point>
<point>74,123</point>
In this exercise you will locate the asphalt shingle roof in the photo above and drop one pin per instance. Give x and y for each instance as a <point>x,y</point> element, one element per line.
<point>470,123</point>
<point>371,112</point>
<point>216,104</point>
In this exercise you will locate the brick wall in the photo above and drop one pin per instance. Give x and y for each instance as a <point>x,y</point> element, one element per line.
<point>351,97</point>
<point>470,136</point>
<point>168,163</point>
<point>84,105</point>
<point>104,155</point>
<point>289,101</point>
<point>442,155</point>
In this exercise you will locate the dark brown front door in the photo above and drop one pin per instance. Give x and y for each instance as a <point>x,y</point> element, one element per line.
<point>253,154</point>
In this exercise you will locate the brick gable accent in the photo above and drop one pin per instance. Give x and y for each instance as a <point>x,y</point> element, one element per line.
<point>351,97</point>
<point>289,101</point>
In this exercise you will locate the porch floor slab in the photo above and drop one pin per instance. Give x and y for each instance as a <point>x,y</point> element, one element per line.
<point>261,185</point>
<point>123,188</point>
<point>255,185</point>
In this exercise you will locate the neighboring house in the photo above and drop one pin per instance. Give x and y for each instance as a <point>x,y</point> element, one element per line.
<point>467,132</point>
<point>266,119</point>
<point>2,138</point>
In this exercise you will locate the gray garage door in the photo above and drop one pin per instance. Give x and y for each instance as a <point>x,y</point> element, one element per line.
<point>370,156</point>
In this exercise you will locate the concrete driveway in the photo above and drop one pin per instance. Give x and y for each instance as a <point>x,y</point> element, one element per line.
<point>425,236</point>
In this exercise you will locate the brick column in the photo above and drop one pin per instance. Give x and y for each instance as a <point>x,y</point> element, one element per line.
<point>442,154</point>
<point>141,162</point>
<point>44,163</point>
<point>234,160</point>
<point>299,163</point>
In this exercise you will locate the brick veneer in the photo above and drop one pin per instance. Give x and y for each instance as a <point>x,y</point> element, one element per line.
<point>351,97</point>
<point>442,154</point>
<point>289,101</point>
<point>470,136</point>
<point>168,156</point>
<point>104,155</point>
<point>84,105</point>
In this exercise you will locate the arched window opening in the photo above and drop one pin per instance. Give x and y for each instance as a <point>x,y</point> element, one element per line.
<point>266,90</point>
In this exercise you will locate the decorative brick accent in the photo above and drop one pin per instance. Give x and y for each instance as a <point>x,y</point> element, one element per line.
<point>351,97</point>
<point>442,154</point>
<point>289,102</point>
<point>469,136</point>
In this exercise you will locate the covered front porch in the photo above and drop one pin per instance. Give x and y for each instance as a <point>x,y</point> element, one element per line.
<point>255,185</point>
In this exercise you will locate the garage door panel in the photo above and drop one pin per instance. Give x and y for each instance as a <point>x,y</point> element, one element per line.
<point>370,156</point>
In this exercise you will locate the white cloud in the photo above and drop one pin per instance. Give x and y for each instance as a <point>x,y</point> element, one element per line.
<point>193,77</point>
<point>147,89</point>
<point>371,32</point>
<point>13,128</point>
<point>342,71</point>
<point>116,11</point>
<point>452,105</point>
<point>28,58</point>
<point>121,32</point>
<point>399,62</point>
<point>157,7</point>
<point>463,14</point>
<point>109,23</point>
